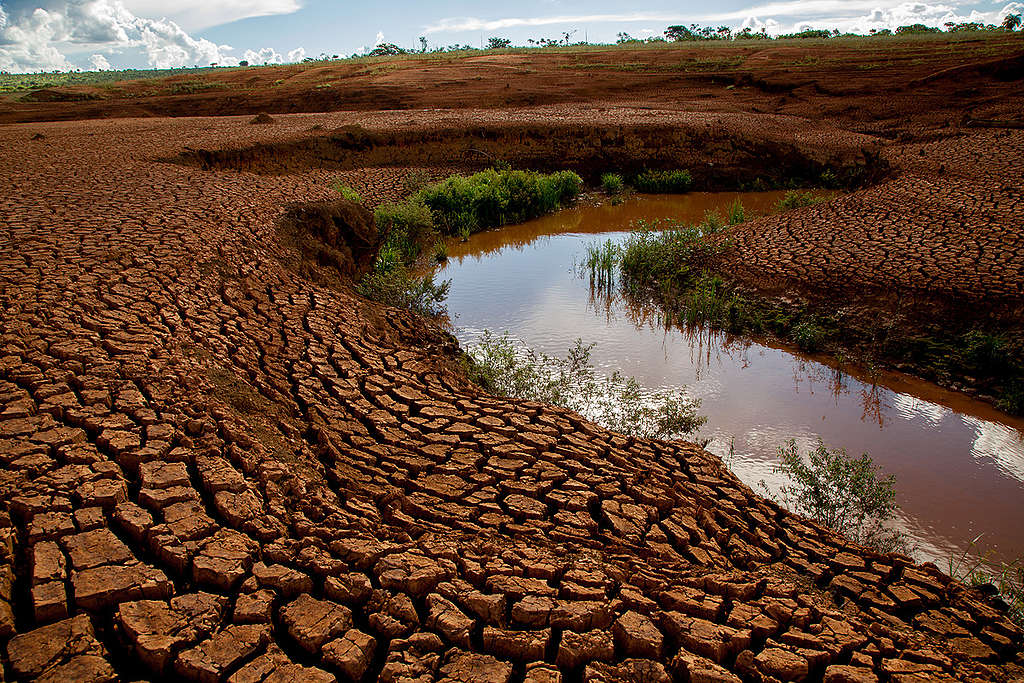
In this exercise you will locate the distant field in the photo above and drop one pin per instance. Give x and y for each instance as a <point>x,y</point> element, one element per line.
<point>28,82</point>
<point>969,44</point>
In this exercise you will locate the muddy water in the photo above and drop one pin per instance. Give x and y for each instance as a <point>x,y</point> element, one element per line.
<point>959,463</point>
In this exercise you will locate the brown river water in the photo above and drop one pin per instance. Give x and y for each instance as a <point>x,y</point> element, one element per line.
<point>959,463</point>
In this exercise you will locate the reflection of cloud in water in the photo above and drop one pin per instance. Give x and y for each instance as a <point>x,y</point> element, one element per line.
<point>910,407</point>
<point>1003,445</point>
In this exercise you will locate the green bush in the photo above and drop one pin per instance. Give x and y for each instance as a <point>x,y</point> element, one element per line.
<point>493,198</point>
<point>662,182</point>
<point>842,493</point>
<point>986,353</point>
<point>407,228</point>
<point>397,287</point>
<point>612,183</point>
<point>795,199</point>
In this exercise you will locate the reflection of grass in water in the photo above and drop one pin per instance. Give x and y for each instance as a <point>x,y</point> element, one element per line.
<point>615,402</point>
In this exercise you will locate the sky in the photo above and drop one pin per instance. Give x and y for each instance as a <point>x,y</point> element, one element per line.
<point>47,35</point>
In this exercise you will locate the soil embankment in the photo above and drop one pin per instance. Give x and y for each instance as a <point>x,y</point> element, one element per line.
<point>217,467</point>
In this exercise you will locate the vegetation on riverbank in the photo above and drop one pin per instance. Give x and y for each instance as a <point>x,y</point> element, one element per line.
<point>459,205</point>
<point>508,369</point>
<point>843,493</point>
<point>679,268</point>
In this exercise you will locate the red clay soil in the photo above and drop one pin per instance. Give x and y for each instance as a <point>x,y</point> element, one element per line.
<point>219,466</point>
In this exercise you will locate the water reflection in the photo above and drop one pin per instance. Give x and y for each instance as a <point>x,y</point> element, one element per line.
<point>959,463</point>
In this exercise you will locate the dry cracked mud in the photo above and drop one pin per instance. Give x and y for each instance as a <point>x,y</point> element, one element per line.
<point>216,469</point>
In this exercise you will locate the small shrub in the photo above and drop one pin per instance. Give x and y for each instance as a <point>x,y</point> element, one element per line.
<point>1011,398</point>
<point>795,199</point>
<point>842,493</point>
<point>663,182</point>
<point>347,192</point>
<point>440,251</point>
<point>612,183</point>
<point>396,287</point>
<point>407,227</point>
<point>617,403</point>
<point>986,353</point>
<point>808,336</point>
<point>669,258</point>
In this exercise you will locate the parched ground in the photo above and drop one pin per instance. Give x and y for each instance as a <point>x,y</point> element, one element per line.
<point>216,469</point>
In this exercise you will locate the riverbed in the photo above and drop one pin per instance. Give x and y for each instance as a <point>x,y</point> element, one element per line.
<point>958,462</point>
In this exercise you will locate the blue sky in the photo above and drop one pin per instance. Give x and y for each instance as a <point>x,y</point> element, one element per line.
<point>68,34</point>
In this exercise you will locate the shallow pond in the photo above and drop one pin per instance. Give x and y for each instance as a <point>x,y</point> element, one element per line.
<point>959,463</point>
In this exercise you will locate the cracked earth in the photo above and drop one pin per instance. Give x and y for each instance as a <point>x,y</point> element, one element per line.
<point>216,469</point>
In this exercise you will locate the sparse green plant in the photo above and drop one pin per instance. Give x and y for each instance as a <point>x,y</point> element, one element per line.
<point>414,181</point>
<point>347,192</point>
<point>612,183</point>
<point>617,403</point>
<point>736,212</point>
<point>980,569</point>
<point>600,262</point>
<point>795,199</point>
<point>662,182</point>
<point>843,493</point>
<point>808,336</point>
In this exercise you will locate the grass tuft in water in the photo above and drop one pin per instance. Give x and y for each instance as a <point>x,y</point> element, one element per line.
<point>601,262</point>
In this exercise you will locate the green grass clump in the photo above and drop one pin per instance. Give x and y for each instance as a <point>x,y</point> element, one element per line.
<point>659,259</point>
<point>493,198</point>
<point>347,192</point>
<point>737,214</point>
<point>612,183</point>
<point>663,182</point>
<point>601,262</point>
<point>795,199</point>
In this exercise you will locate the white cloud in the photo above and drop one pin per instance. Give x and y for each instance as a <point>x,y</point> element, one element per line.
<point>266,55</point>
<point>297,55</point>
<point>40,38</point>
<point>28,44</point>
<point>99,63</point>
<point>780,16</point>
<point>380,37</point>
<point>194,15</point>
